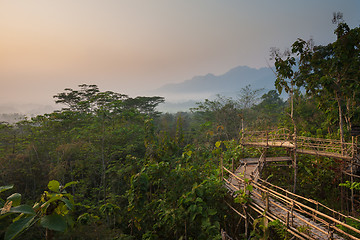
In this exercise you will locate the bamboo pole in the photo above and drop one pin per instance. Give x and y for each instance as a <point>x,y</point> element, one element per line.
<point>286,198</point>
<point>264,210</point>
<point>293,215</point>
<point>222,168</point>
<point>266,222</point>
<point>232,165</point>
<point>283,198</point>
<point>351,176</point>
<point>275,194</point>
<point>304,220</point>
<point>236,211</point>
<point>246,222</point>
<point>271,217</point>
<point>232,185</point>
<point>232,174</point>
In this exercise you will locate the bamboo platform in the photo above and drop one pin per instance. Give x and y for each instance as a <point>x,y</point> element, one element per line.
<point>306,145</point>
<point>290,145</point>
<point>275,203</point>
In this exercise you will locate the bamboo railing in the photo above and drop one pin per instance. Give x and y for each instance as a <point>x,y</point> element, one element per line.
<point>304,218</point>
<point>316,146</point>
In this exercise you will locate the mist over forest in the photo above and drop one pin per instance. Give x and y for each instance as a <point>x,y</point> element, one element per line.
<point>107,165</point>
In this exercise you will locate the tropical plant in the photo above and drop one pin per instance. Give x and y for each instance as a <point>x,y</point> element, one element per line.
<point>52,211</point>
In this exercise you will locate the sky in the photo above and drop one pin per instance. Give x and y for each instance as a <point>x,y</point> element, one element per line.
<point>132,46</point>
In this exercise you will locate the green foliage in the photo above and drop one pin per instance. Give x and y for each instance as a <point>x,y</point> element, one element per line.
<point>243,195</point>
<point>261,229</point>
<point>5,188</point>
<point>304,229</point>
<point>54,222</point>
<point>351,185</point>
<point>172,200</point>
<point>51,211</point>
<point>54,186</point>
<point>89,99</point>
<point>278,230</point>
<point>352,222</point>
<point>146,175</point>
<point>223,118</point>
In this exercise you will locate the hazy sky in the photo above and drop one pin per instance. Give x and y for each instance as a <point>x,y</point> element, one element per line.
<point>130,46</point>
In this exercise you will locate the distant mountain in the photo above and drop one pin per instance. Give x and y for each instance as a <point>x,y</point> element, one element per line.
<point>229,84</point>
<point>233,80</point>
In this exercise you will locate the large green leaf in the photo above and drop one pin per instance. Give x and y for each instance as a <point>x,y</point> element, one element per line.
<point>68,203</point>
<point>15,198</point>
<point>53,198</point>
<point>17,227</point>
<point>54,186</point>
<point>4,188</point>
<point>26,209</point>
<point>70,183</point>
<point>54,222</point>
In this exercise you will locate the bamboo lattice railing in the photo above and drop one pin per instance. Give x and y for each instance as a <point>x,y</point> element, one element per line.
<point>317,146</point>
<point>330,146</point>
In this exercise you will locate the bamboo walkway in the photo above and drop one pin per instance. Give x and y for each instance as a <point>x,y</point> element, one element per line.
<point>274,203</point>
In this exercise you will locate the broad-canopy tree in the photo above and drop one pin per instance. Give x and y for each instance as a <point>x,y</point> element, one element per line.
<point>89,99</point>
<point>331,73</point>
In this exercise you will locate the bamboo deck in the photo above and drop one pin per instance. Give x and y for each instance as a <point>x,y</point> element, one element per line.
<point>301,218</point>
<point>286,144</point>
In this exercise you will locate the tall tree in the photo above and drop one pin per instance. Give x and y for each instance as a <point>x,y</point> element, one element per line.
<point>331,72</point>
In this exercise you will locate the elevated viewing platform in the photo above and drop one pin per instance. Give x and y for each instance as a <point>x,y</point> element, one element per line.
<point>302,217</point>
<point>307,145</point>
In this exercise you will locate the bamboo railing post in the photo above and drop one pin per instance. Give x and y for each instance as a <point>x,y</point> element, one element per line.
<point>352,175</point>
<point>223,236</point>
<point>287,219</point>
<point>221,168</point>
<point>245,168</point>
<point>246,222</point>
<point>232,165</point>
<point>342,191</point>
<point>317,209</point>
<point>330,232</point>
<point>291,214</point>
<point>267,138</point>
<point>295,159</point>
<point>264,161</point>
<point>266,221</point>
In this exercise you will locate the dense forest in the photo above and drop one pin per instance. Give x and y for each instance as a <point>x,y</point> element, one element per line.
<point>108,166</point>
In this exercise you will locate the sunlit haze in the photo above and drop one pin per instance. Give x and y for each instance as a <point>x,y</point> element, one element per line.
<point>132,46</point>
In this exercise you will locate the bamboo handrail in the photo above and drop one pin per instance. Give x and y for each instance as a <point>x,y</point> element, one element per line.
<point>242,215</point>
<point>309,200</point>
<point>271,217</point>
<point>288,200</point>
<point>320,213</point>
<point>344,149</point>
<point>306,145</point>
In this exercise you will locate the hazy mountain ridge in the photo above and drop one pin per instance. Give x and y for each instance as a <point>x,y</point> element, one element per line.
<point>184,95</point>
<point>208,86</point>
<point>231,81</point>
